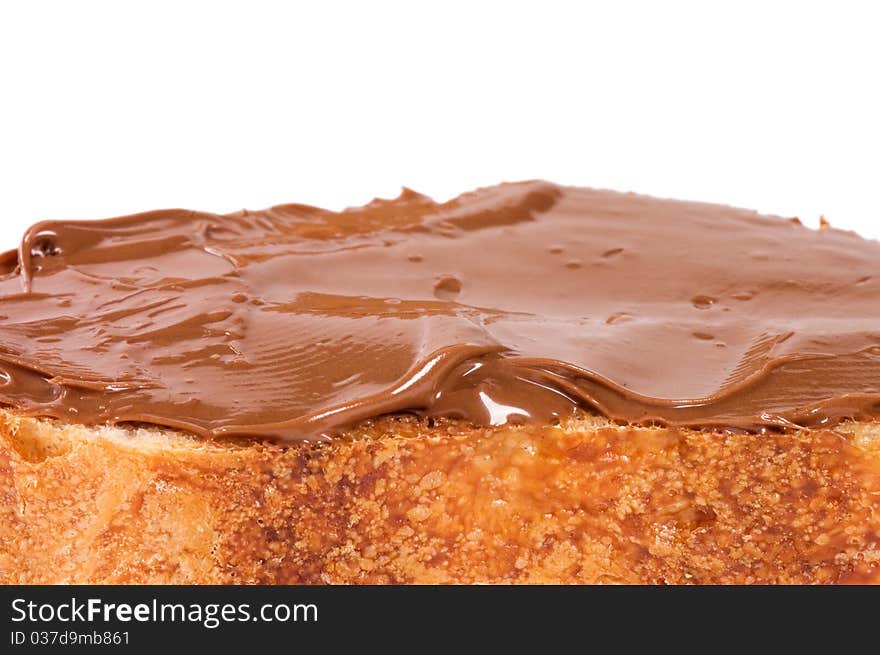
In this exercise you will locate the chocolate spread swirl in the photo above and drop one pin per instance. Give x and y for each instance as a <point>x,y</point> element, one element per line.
<point>521,302</point>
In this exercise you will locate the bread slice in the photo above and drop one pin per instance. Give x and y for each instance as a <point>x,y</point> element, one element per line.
<point>402,500</point>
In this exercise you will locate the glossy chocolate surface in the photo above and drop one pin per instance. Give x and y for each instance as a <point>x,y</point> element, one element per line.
<point>521,302</point>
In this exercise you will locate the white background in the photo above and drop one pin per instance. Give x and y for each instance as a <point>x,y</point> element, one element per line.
<point>109,108</point>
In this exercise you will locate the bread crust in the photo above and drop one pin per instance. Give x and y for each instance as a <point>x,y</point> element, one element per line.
<point>399,500</point>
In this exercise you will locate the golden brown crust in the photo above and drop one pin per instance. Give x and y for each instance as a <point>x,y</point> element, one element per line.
<point>400,502</point>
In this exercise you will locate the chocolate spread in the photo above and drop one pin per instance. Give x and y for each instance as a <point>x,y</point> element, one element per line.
<point>521,302</point>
